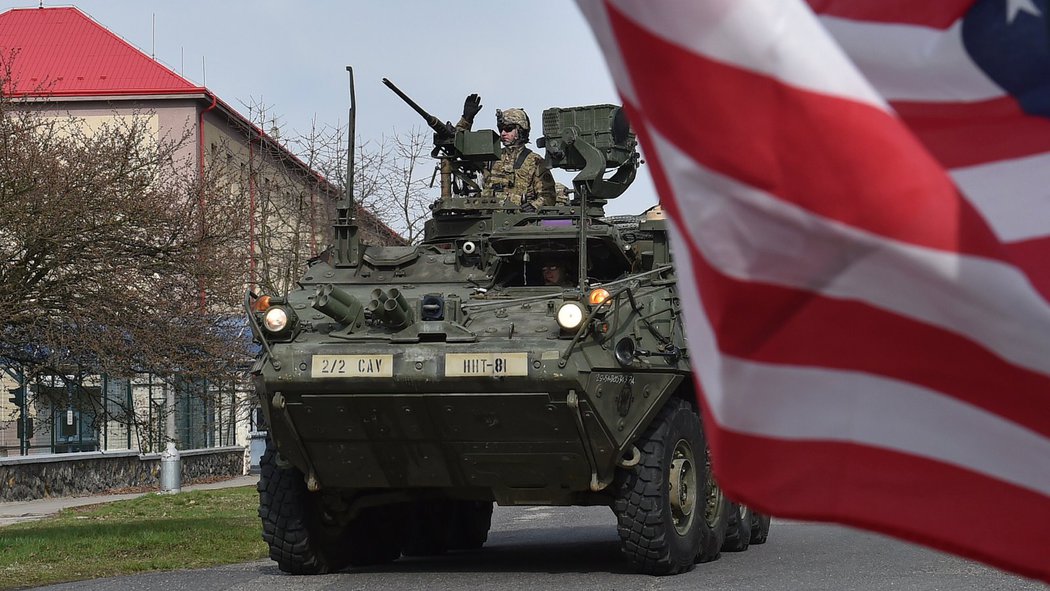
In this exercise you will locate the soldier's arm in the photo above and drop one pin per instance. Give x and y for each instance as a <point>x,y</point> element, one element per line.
<point>543,184</point>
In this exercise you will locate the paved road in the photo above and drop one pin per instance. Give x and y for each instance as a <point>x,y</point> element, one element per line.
<point>577,548</point>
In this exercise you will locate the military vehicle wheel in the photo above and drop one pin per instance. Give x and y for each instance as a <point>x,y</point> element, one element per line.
<point>717,511</point>
<point>759,528</point>
<point>738,534</point>
<point>299,543</point>
<point>659,502</point>
<point>470,528</point>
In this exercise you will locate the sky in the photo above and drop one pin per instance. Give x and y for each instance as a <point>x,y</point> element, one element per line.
<point>292,55</point>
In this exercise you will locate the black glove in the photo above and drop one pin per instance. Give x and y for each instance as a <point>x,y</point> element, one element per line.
<point>528,207</point>
<point>471,107</point>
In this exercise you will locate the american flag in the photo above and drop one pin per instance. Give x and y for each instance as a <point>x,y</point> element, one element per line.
<point>859,192</point>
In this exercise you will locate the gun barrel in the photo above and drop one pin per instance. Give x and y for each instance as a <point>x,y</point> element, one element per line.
<point>440,128</point>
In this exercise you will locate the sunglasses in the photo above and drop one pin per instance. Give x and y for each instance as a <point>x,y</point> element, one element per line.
<point>508,128</point>
<point>554,268</point>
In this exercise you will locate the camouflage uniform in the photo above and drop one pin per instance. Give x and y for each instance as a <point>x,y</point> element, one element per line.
<point>520,175</point>
<point>561,193</point>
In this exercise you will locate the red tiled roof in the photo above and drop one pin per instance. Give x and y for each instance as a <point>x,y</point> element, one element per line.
<point>63,52</point>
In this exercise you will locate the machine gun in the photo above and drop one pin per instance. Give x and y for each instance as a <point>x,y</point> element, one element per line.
<point>461,153</point>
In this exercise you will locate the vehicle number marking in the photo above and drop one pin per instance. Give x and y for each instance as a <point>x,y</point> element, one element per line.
<point>460,365</point>
<point>614,378</point>
<point>352,366</point>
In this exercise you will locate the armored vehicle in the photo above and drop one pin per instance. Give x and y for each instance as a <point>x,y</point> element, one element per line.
<point>408,388</point>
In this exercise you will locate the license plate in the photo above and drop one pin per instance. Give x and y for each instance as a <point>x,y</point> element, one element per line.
<point>460,365</point>
<point>352,366</point>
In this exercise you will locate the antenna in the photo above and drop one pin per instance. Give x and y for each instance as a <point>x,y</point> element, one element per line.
<point>153,49</point>
<point>351,131</point>
<point>347,239</point>
<point>204,69</point>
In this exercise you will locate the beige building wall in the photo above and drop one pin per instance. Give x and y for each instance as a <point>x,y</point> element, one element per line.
<point>169,118</point>
<point>290,207</point>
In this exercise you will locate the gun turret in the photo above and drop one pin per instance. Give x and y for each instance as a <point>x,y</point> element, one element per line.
<point>461,153</point>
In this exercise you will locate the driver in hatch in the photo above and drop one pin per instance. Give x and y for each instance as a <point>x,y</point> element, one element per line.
<point>554,274</point>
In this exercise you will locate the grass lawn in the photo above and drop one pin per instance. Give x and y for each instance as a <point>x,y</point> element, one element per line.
<point>155,532</point>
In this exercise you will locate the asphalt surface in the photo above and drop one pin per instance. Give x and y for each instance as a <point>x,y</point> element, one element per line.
<point>577,548</point>
<point>28,510</point>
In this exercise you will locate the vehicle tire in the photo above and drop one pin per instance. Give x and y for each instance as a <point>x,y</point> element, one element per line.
<point>717,511</point>
<point>298,542</point>
<point>427,528</point>
<point>738,534</point>
<point>470,528</point>
<point>759,528</point>
<point>658,502</point>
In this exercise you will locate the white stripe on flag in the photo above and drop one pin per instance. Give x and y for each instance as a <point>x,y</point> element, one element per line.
<point>595,13</point>
<point>907,62</point>
<point>725,32</point>
<point>753,236</point>
<point>1012,195</point>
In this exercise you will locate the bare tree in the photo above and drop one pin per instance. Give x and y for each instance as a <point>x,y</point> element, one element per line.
<point>401,182</point>
<point>111,257</point>
<point>391,179</point>
<point>287,205</point>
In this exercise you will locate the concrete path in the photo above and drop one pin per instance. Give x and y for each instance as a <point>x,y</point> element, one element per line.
<point>28,510</point>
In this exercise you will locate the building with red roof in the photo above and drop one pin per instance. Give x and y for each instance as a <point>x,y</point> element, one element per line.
<point>62,52</point>
<point>64,62</point>
<point>65,59</point>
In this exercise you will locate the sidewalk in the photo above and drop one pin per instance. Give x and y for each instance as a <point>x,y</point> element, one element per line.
<point>28,510</point>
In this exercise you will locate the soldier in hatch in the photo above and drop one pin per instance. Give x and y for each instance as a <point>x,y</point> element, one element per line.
<point>520,176</point>
<point>554,273</point>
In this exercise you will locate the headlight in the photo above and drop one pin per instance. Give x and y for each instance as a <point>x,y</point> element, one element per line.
<point>570,315</point>
<point>598,296</point>
<point>276,319</point>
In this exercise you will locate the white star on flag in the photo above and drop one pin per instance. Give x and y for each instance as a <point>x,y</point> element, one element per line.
<point>1015,6</point>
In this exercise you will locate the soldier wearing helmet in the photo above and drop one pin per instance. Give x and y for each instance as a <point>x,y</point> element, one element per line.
<point>520,176</point>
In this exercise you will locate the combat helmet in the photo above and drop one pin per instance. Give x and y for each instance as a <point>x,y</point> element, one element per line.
<point>517,117</point>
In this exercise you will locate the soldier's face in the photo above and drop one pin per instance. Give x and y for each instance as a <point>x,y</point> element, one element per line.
<point>508,134</point>
<point>552,274</point>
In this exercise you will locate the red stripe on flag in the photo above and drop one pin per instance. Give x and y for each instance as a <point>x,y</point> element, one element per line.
<point>781,325</point>
<point>939,15</point>
<point>803,147</point>
<point>965,134</point>
<point>1034,257</point>
<point>917,499</point>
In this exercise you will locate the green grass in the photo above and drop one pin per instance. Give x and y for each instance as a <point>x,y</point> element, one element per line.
<point>155,532</point>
